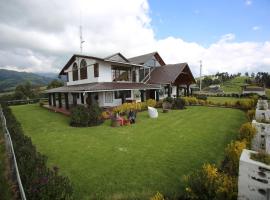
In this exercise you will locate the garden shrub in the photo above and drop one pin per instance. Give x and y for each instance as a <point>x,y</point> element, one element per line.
<point>250,114</point>
<point>168,99</point>
<point>39,181</point>
<point>151,103</point>
<point>178,103</point>
<point>105,115</point>
<point>94,115</point>
<point>190,100</point>
<point>157,196</point>
<point>79,116</point>
<point>209,183</point>
<point>247,132</point>
<point>159,104</point>
<point>233,152</point>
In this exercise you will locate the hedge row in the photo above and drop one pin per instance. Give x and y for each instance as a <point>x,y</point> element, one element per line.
<point>244,104</point>
<point>39,181</point>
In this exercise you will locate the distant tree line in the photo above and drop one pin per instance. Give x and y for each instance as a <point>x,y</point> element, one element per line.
<point>218,78</point>
<point>27,90</point>
<point>261,78</point>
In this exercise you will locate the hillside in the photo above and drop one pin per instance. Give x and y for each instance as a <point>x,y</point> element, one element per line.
<point>233,85</point>
<point>9,79</point>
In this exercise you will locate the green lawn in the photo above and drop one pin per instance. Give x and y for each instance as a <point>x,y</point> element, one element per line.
<point>233,85</point>
<point>131,162</point>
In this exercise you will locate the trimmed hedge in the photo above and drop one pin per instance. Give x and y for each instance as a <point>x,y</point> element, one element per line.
<point>82,116</point>
<point>39,181</point>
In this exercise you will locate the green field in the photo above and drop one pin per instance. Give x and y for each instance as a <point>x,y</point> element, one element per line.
<point>233,85</point>
<point>132,162</point>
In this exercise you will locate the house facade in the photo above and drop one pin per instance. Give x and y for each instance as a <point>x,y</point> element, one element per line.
<point>114,80</point>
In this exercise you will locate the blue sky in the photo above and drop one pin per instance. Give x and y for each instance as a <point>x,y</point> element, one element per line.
<point>204,21</point>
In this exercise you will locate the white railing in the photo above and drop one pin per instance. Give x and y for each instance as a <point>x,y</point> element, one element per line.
<point>11,153</point>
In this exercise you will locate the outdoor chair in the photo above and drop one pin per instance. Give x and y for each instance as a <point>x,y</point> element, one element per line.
<point>132,117</point>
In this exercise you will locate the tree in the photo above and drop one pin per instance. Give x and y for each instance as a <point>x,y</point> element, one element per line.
<point>246,74</point>
<point>55,84</point>
<point>206,81</point>
<point>25,91</point>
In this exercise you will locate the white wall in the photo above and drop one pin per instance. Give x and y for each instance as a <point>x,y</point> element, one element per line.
<point>253,177</point>
<point>105,74</point>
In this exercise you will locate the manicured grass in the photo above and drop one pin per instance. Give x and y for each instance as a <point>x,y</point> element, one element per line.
<point>132,162</point>
<point>224,99</point>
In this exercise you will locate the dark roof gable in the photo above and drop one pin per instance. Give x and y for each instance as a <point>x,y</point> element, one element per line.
<point>117,57</point>
<point>169,74</point>
<point>142,59</point>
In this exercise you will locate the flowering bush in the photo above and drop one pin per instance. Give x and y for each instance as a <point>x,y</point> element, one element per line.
<point>233,152</point>
<point>247,132</point>
<point>210,183</point>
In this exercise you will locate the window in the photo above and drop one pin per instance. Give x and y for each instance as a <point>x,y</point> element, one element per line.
<point>83,69</point>
<point>133,76</point>
<point>96,70</point>
<point>120,94</point>
<point>108,97</point>
<point>121,74</point>
<point>75,72</point>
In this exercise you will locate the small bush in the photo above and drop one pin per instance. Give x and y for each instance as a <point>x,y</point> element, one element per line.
<point>159,104</point>
<point>105,115</point>
<point>190,100</point>
<point>247,132</point>
<point>209,183</point>
<point>94,115</point>
<point>79,116</point>
<point>250,114</point>
<point>178,103</point>
<point>157,196</point>
<point>168,99</point>
<point>233,152</point>
<point>151,103</point>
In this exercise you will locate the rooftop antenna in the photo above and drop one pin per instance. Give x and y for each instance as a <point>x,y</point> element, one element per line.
<point>81,37</point>
<point>200,75</point>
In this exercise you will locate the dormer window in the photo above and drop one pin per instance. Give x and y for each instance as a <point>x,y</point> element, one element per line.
<point>83,69</point>
<point>75,74</point>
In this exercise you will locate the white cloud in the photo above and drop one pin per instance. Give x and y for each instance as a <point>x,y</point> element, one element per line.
<point>248,2</point>
<point>256,28</point>
<point>41,42</point>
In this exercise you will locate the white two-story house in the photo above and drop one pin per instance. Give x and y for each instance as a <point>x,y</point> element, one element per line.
<point>113,80</point>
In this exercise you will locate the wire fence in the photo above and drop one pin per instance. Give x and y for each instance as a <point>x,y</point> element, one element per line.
<point>11,155</point>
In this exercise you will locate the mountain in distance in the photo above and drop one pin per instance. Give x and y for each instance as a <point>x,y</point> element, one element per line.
<point>9,79</point>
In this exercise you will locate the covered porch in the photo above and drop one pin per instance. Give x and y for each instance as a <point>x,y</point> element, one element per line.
<point>174,79</point>
<point>104,94</point>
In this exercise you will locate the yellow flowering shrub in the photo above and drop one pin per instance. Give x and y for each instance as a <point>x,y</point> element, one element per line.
<point>157,196</point>
<point>232,155</point>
